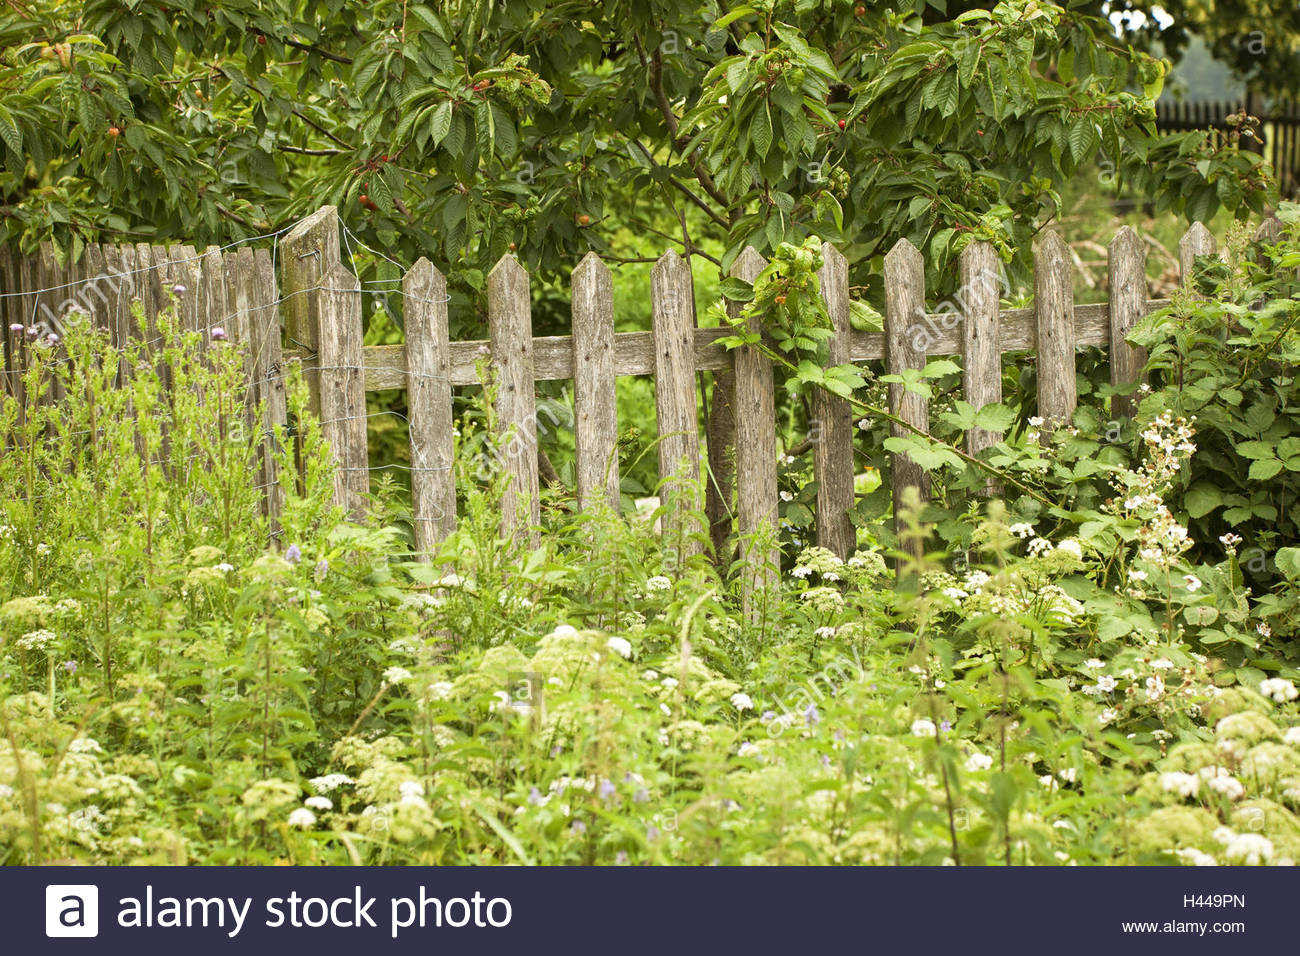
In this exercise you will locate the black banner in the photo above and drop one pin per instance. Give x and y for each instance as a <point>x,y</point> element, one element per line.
<point>644,910</point>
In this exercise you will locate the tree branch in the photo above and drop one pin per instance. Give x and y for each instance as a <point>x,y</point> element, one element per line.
<point>323,54</point>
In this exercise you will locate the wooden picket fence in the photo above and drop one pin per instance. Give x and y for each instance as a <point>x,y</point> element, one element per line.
<point>310,310</point>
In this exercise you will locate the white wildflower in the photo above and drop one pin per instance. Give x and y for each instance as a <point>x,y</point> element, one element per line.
<point>923,728</point>
<point>1183,784</point>
<point>302,818</point>
<point>319,803</point>
<point>742,702</point>
<point>397,675</point>
<point>1278,689</point>
<point>620,646</point>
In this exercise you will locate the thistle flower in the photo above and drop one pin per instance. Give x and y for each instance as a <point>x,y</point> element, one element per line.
<point>218,334</point>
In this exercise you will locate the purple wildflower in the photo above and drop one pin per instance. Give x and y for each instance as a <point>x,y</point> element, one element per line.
<point>579,827</point>
<point>322,568</point>
<point>810,716</point>
<point>293,554</point>
<point>535,797</point>
<point>218,334</point>
<point>652,833</point>
<point>945,725</point>
<point>178,289</point>
<point>642,795</point>
<point>16,328</point>
<point>70,666</point>
<point>607,790</point>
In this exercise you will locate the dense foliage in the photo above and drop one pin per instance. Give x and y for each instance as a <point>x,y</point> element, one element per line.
<point>469,129</point>
<point>1078,682</point>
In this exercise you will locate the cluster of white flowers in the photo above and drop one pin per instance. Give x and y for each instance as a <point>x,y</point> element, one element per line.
<point>923,728</point>
<point>620,646</point>
<point>397,675</point>
<point>1221,780</point>
<point>1183,784</point>
<point>1248,849</point>
<point>742,702</point>
<point>658,583</point>
<point>1278,689</point>
<point>302,818</point>
<point>38,640</point>
<point>977,762</point>
<point>330,782</point>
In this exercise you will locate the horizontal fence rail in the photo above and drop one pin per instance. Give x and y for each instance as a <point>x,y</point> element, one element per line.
<point>292,297</point>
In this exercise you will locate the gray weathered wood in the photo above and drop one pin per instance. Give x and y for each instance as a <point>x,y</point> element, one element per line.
<point>11,313</point>
<point>756,486</point>
<point>634,352</point>
<point>904,321</point>
<point>183,274</point>
<point>1054,307</point>
<point>433,485</point>
<point>833,417</point>
<point>123,328</point>
<point>595,406</point>
<point>981,338</point>
<point>309,251</point>
<point>213,310</point>
<point>1127,271</point>
<point>672,309</point>
<point>96,286</point>
<point>240,291</point>
<point>1197,241</point>
<point>342,391</point>
<point>510,326</point>
<point>268,379</point>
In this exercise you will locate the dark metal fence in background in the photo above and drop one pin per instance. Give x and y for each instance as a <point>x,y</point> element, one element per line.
<point>1279,128</point>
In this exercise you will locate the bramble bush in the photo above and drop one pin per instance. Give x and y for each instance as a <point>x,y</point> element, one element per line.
<point>1090,682</point>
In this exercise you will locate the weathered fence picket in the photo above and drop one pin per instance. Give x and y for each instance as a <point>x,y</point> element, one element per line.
<point>320,301</point>
<point>673,311</point>
<point>433,487</point>
<point>833,417</point>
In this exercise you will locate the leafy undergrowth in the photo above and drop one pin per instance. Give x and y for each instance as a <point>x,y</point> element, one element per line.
<point>175,691</point>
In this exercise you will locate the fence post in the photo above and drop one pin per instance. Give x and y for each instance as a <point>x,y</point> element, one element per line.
<point>11,312</point>
<point>95,274</point>
<point>981,341</point>
<point>904,308</point>
<point>673,311</point>
<point>833,417</point>
<point>310,251</point>
<point>756,492</point>
<point>1197,241</point>
<point>268,379</point>
<point>428,388</point>
<point>1127,270</point>
<point>510,325</point>
<point>342,386</point>
<point>595,406</point>
<point>1054,314</point>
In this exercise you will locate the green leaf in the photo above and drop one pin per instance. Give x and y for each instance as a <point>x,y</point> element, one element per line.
<point>440,124</point>
<point>736,289</point>
<point>1202,498</point>
<point>1288,562</point>
<point>761,132</point>
<point>1264,469</point>
<point>1254,449</point>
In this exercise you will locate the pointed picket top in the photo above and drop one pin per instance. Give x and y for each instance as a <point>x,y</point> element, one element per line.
<point>904,256</point>
<point>420,279</point>
<point>1051,245</point>
<point>341,279</point>
<point>1127,241</point>
<point>748,264</point>
<point>1269,231</point>
<point>507,269</point>
<point>831,256</point>
<point>1197,241</point>
<point>324,218</point>
<point>670,263</point>
<point>590,269</point>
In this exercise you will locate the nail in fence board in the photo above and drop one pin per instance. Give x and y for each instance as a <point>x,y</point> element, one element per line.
<point>510,325</point>
<point>833,449</point>
<point>1054,305</point>
<point>595,405</point>
<point>672,311</point>
<point>342,392</point>
<point>433,485</point>
<point>756,488</point>
<point>904,332</point>
<point>1127,271</point>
